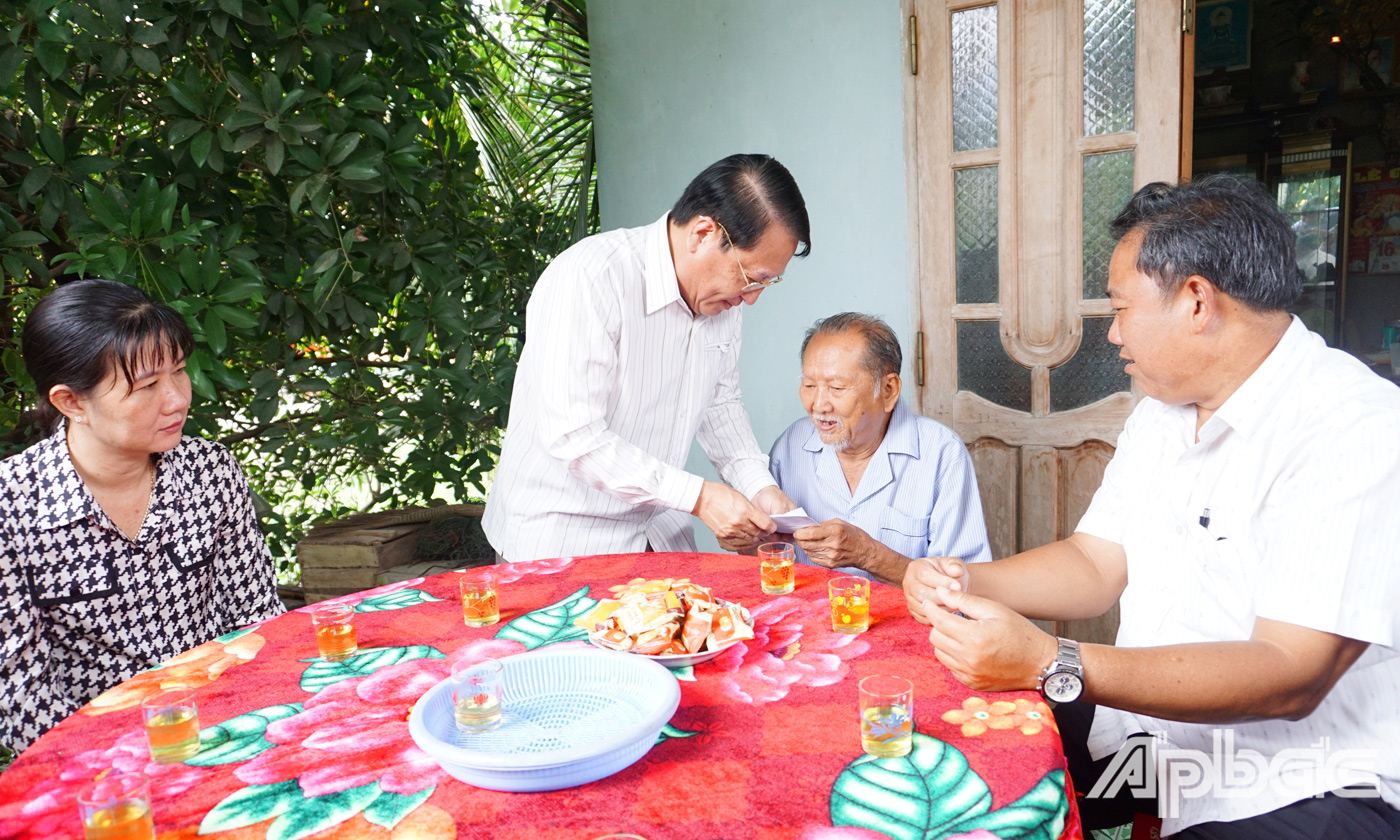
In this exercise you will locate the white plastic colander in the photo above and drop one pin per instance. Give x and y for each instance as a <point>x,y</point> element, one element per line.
<point>569,716</point>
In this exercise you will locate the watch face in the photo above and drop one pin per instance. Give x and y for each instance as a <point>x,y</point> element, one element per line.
<point>1063,687</point>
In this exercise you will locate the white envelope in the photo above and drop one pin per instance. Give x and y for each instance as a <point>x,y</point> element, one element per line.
<point>792,520</point>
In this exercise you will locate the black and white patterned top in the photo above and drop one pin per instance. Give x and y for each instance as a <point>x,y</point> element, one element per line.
<point>83,607</point>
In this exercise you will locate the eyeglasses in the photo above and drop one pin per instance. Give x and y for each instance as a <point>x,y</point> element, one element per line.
<point>750,284</point>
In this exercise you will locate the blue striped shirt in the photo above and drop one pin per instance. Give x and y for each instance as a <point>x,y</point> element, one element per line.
<point>918,494</point>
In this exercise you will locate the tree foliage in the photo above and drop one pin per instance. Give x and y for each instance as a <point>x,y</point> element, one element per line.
<point>295,178</point>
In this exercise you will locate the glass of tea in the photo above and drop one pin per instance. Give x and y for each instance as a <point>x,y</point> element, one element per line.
<point>886,716</point>
<point>172,724</point>
<point>480,607</point>
<point>775,562</point>
<point>117,807</point>
<point>476,694</point>
<point>335,631</point>
<point>850,603</point>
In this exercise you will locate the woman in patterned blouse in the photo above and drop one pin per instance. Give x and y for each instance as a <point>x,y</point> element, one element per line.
<point>122,542</point>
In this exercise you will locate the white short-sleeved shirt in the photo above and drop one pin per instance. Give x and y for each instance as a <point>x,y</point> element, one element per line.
<point>918,495</point>
<point>616,379</point>
<point>1300,472</point>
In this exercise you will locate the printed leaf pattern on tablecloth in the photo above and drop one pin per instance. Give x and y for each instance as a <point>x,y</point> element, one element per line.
<point>668,731</point>
<point>400,600</point>
<point>240,738</point>
<point>322,812</point>
<point>300,816</point>
<point>251,805</point>
<point>552,624</point>
<point>389,808</point>
<point>366,662</point>
<point>233,634</point>
<point>1039,815</point>
<point>917,797</point>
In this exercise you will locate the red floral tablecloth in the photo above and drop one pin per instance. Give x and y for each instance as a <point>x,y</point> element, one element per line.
<point>764,745</point>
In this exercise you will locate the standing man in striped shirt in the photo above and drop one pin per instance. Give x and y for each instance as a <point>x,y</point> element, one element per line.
<point>631,352</point>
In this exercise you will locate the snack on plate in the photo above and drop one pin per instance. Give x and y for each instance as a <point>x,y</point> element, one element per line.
<point>666,617</point>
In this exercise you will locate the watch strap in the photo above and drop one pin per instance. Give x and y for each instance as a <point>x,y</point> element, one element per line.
<point>1066,661</point>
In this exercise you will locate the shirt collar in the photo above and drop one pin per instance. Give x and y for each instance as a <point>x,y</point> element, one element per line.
<point>63,498</point>
<point>901,436</point>
<point>663,288</point>
<point>1248,408</point>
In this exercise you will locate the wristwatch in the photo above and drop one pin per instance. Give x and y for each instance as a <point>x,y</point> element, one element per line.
<point>1062,681</point>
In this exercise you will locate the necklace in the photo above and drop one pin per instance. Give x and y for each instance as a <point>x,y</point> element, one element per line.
<point>150,496</point>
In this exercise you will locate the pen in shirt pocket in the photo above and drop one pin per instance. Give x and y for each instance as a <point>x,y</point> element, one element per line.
<point>1205,521</point>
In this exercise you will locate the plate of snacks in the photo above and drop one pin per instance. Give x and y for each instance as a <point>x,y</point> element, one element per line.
<point>671,621</point>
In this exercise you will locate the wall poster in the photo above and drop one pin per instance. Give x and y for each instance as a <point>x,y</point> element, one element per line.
<point>1222,35</point>
<point>1374,246</point>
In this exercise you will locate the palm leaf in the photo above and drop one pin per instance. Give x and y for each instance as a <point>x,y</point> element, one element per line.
<point>532,119</point>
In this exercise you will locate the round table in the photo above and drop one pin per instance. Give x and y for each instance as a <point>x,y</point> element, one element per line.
<point>765,743</point>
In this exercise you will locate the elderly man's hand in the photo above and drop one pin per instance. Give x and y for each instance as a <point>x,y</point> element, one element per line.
<point>772,500</point>
<point>734,519</point>
<point>835,543</point>
<point>989,647</point>
<point>923,576</point>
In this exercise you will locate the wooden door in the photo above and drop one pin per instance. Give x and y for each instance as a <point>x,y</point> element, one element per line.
<point>1035,121</point>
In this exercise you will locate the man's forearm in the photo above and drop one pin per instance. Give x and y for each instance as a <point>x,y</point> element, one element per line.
<point>886,564</point>
<point>1213,682</point>
<point>1058,581</point>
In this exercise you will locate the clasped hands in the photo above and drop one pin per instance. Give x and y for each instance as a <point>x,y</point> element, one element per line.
<point>831,544</point>
<point>738,523</point>
<point>986,645</point>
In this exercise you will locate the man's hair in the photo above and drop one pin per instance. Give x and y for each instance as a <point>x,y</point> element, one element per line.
<point>747,193</point>
<point>882,353</point>
<point>1225,229</point>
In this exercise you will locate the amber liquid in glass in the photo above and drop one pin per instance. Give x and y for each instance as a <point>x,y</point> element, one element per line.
<point>778,576</point>
<point>476,712</point>
<point>173,735</point>
<point>850,614</point>
<point>128,821</point>
<point>336,641</point>
<point>480,609</point>
<point>886,731</point>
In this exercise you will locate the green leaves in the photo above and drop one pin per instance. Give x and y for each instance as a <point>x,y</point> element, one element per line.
<point>932,793</point>
<point>397,600</point>
<point>322,812</point>
<point>298,815</point>
<point>321,673</point>
<point>301,185</point>
<point>240,738</point>
<point>668,732</point>
<point>388,809</point>
<point>23,239</point>
<point>910,798</point>
<point>551,624</point>
<point>252,805</point>
<point>1039,815</point>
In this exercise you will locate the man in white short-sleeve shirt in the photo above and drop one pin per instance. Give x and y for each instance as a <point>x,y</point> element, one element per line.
<point>1249,522</point>
<point>631,353</point>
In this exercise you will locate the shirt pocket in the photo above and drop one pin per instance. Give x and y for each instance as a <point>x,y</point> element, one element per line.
<point>1225,578</point>
<point>72,581</point>
<point>189,555</point>
<point>906,534</point>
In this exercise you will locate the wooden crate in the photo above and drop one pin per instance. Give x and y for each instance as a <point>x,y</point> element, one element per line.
<point>342,563</point>
<point>339,558</point>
